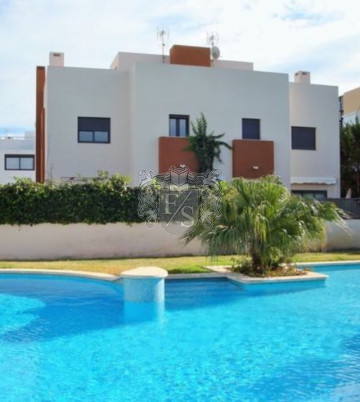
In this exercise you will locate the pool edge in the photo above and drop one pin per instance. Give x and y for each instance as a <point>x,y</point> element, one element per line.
<point>62,272</point>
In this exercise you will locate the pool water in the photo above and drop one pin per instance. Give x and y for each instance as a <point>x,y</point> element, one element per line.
<point>71,339</point>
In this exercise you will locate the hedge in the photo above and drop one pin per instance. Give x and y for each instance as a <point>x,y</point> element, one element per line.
<point>101,200</point>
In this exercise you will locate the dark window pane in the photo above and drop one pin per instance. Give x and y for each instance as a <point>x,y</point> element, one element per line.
<point>101,136</point>
<point>27,163</point>
<point>172,127</point>
<point>178,125</point>
<point>251,129</point>
<point>303,138</point>
<point>183,128</point>
<point>12,163</point>
<point>94,124</point>
<point>94,129</point>
<point>85,136</point>
<point>19,162</point>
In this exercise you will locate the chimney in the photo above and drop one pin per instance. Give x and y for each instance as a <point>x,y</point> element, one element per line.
<point>302,77</point>
<point>56,59</point>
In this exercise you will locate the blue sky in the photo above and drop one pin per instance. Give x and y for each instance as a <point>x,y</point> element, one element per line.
<point>320,36</point>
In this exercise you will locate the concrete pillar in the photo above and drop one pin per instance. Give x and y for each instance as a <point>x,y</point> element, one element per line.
<point>145,284</point>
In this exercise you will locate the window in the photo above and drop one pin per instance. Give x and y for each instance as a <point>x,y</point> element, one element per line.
<point>303,138</point>
<point>94,129</point>
<point>317,194</point>
<point>19,162</point>
<point>251,129</point>
<point>178,125</point>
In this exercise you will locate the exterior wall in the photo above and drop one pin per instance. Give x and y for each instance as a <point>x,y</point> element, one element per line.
<point>351,106</point>
<point>50,241</point>
<point>316,106</point>
<point>16,145</point>
<point>124,60</point>
<point>236,65</point>
<point>340,239</point>
<point>224,96</point>
<point>351,101</point>
<point>90,241</point>
<point>140,92</point>
<point>350,118</point>
<point>74,92</point>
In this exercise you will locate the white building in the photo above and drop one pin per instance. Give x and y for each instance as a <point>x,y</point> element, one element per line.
<point>17,153</point>
<point>136,116</point>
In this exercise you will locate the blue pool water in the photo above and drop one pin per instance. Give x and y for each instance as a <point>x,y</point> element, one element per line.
<point>67,339</point>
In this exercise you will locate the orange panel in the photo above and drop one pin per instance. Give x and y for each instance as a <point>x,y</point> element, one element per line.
<point>40,125</point>
<point>172,153</point>
<point>253,158</point>
<point>190,55</point>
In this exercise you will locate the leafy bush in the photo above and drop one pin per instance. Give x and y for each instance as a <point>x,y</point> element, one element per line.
<point>100,200</point>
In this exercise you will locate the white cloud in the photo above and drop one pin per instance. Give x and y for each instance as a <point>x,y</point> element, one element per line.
<point>277,35</point>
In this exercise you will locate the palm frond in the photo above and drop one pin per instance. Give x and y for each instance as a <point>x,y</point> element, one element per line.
<point>264,220</point>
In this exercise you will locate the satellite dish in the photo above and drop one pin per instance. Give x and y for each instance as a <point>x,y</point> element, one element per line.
<point>215,52</point>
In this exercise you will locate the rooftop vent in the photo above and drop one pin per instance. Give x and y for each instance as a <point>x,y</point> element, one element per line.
<point>302,76</point>
<point>56,59</point>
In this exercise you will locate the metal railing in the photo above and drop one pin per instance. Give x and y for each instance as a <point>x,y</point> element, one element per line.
<point>350,205</point>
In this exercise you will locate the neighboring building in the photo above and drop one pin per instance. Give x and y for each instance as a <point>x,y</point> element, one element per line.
<point>350,106</point>
<point>135,116</point>
<point>17,154</point>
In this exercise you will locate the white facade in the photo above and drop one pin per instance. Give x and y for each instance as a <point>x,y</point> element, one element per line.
<point>74,92</point>
<point>316,106</point>
<point>140,92</point>
<point>17,157</point>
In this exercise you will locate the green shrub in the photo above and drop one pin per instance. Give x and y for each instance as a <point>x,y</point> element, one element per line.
<point>100,200</point>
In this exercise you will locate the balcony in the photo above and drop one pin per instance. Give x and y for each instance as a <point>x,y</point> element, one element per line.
<point>172,153</point>
<point>253,158</point>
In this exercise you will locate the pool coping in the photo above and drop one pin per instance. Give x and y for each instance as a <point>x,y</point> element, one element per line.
<point>61,272</point>
<point>247,280</point>
<point>101,276</point>
<point>219,271</point>
<point>324,263</point>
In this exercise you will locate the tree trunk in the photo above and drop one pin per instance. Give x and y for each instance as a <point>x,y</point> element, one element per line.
<point>256,263</point>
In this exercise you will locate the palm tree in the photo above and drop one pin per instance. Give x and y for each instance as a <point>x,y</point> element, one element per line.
<point>207,147</point>
<point>262,219</point>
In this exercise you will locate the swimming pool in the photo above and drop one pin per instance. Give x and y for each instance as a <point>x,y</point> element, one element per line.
<point>72,339</point>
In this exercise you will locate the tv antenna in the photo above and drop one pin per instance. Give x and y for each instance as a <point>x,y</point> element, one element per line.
<point>162,36</point>
<point>212,39</point>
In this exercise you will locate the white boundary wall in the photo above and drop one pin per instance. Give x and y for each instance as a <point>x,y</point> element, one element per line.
<point>52,241</point>
<point>338,239</point>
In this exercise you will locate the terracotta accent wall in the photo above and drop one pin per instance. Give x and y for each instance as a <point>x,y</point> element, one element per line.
<point>40,125</point>
<point>172,153</point>
<point>253,158</point>
<point>190,55</point>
